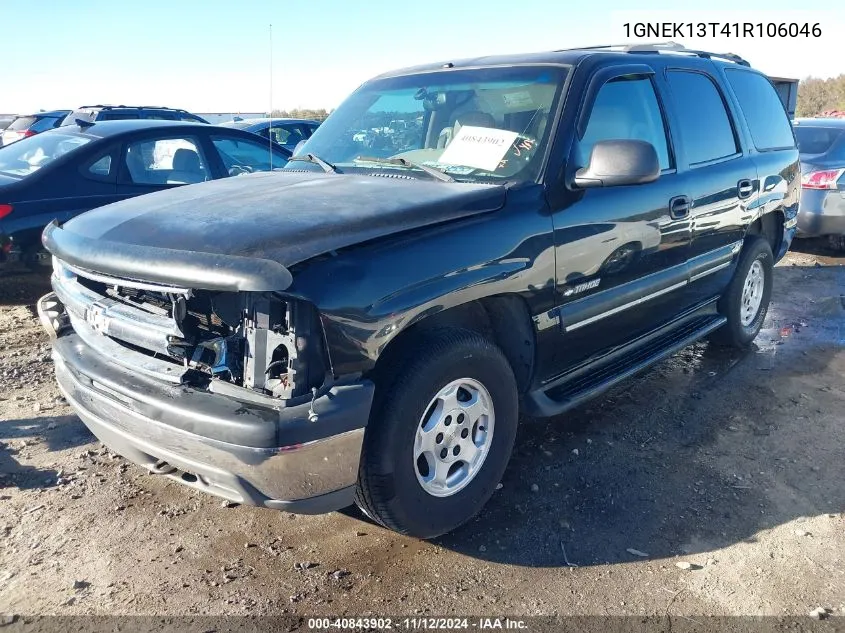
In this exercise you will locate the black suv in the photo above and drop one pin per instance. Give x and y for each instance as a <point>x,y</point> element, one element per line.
<point>121,112</point>
<point>456,243</point>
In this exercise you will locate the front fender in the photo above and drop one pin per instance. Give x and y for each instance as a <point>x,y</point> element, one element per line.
<point>369,295</point>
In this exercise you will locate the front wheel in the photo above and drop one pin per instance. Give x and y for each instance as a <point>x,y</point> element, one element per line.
<point>746,300</point>
<point>440,435</point>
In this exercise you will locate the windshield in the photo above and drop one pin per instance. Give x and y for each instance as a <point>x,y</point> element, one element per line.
<point>483,124</point>
<point>816,140</point>
<point>31,154</point>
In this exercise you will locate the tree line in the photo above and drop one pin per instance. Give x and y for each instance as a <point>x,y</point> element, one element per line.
<point>819,96</point>
<point>319,114</point>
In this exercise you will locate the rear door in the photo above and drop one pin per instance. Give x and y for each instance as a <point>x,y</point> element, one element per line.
<point>714,170</point>
<point>620,251</point>
<point>771,143</point>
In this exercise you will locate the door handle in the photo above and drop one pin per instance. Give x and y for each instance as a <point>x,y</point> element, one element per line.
<point>744,188</point>
<point>679,207</point>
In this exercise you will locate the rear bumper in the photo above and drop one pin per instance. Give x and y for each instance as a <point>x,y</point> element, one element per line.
<point>821,213</point>
<point>248,454</point>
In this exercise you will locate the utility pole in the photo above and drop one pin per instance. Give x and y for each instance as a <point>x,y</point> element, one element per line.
<point>270,114</point>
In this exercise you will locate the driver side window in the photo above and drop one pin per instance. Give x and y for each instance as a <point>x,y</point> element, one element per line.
<point>626,108</point>
<point>242,156</point>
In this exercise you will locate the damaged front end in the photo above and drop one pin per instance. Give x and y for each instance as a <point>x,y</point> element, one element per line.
<point>261,342</point>
<point>224,385</point>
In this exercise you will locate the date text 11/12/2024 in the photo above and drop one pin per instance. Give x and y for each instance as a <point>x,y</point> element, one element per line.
<point>416,624</point>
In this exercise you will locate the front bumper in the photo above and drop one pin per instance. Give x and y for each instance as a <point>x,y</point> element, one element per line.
<point>240,451</point>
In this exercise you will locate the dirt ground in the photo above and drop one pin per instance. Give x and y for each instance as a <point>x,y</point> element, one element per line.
<point>732,462</point>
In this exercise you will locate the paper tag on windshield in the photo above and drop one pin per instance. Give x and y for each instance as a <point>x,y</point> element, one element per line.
<point>480,147</point>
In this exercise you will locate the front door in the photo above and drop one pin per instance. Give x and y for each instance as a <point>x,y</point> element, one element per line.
<point>621,251</point>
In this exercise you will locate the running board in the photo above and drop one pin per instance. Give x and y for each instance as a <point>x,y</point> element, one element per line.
<point>583,383</point>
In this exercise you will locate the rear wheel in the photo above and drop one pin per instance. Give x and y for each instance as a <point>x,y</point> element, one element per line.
<point>440,435</point>
<point>746,300</point>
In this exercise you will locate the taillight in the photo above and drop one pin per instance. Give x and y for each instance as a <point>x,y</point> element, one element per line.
<point>29,132</point>
<point>5,209</point>
<point>824,179</point>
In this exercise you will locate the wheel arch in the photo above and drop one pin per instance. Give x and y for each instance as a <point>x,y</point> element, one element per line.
<point>770,227</point>
<point>503,319</point>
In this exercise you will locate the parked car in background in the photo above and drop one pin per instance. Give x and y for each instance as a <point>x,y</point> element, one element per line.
<point>286,132</point>
<point>25,125</point>
<point>218,118</point>
<point>122,112</point>
<point>787,90</point>
<point>63,172</point>
<point>822,210</point>
<point>366,323</point>
<point>4,123</point>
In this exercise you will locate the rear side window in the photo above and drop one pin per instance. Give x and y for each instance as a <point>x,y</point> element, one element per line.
<point>101,166</point>
<point>117,115</point>
<point>159,115</point>
<point>626,108</point>
<point>705,125</point>
<point>817,140</point>
<point>763,110</point>
<point>166,161</point>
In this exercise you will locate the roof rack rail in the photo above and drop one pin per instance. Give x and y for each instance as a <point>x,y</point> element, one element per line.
<point>667,47</point>
<point>144,107</point>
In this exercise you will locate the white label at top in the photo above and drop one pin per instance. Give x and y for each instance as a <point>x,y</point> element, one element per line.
<point>481,147</point>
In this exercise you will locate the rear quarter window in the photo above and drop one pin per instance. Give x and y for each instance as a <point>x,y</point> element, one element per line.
<point>763,110</point>
<point>117,115</point>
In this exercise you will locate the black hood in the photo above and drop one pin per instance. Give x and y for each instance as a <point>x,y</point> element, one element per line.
<point>285,217</point>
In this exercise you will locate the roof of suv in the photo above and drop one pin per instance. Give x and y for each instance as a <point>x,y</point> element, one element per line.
<point>572,57</point>
<point>128,107</point>
<point>103,129</point>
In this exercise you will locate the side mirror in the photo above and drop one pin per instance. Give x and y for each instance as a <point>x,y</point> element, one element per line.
<point>619,162</point>
<point>298,147</point>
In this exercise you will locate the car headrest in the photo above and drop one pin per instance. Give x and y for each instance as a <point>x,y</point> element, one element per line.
<point>186,160</point>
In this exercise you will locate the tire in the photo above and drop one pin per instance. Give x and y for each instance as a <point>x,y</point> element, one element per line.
<point>740,329</point>
<point>391,487</point>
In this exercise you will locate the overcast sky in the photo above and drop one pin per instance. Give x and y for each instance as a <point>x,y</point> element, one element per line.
<point>214,56</point>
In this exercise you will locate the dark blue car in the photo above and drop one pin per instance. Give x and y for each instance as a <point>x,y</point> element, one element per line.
<point>286,132</point>
<point>63,172</point>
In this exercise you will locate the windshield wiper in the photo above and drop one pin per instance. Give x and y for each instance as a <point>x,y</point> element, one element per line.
<point>313,158</point>
<point>404,162</point>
